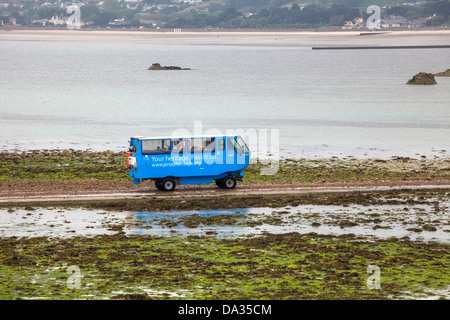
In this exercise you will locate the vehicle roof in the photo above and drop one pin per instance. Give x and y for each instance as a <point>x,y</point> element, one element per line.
<point>183,137</point>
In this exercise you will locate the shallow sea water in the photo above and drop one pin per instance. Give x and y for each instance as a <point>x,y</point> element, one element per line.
<point>84,92</point>
<point>427,222</point>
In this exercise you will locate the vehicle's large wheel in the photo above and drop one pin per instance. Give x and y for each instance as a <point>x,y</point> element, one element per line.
<point>168,184</point>
<point>219,183</point>
<point>158,184</point>
<point>228,182</point>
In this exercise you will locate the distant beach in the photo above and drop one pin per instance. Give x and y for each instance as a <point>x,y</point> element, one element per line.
<point>238,37</point>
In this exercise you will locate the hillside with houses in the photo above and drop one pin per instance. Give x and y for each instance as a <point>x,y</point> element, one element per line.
<point>212,14</point>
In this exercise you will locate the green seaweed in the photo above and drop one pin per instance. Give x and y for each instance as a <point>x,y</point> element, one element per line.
<point>65,164</point>
<point>76,164</point>
<point>288,266</point>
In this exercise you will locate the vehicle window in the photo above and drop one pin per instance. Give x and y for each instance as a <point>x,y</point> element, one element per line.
<point>209,145</point>
<point>221,144</point>
<point>195,145</point>
<point>179,146</point>
<point>231,144</point>
<point>160,146</point>
<point>199,145</point>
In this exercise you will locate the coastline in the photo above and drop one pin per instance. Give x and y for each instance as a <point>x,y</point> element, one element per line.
<point>44,195</point>
<point>292,38</point>
<point>111,31</point>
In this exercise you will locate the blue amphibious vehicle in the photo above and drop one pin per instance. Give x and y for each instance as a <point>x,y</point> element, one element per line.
<point>188,160</point>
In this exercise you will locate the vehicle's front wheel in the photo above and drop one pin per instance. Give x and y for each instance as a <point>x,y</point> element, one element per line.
<point>168,184</point>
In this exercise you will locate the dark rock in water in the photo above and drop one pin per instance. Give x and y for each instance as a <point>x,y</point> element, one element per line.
<point>422,78</point>
<point>157,66</point>
<point>445,73</point>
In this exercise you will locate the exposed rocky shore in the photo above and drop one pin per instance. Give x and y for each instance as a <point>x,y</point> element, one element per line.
<point>423,78</point>
<point>445,73</point>
<point>157,66</point>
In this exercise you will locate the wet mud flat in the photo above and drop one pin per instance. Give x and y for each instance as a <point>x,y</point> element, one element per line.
<point>275,247</point>
<point>202,244</point>
<point>232,200</point>
<point>422,215</point>
<point>57,172</point>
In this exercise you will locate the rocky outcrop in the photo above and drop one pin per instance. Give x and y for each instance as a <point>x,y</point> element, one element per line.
<point>445,73</point>
<point>422,78</point>
<point>157,66</point>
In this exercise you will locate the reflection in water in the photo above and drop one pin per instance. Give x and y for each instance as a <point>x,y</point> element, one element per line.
<point>426,221</point>
<point>197,222</point>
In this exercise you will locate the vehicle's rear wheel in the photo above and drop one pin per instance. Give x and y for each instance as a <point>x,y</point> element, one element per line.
<point>168,184</point>
<point>228,182</point>
<point>158,184</point>
<point>219,183</point>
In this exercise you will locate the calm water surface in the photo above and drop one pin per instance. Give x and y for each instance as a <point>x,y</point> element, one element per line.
<point>79,94</point>
<point>379,221</point>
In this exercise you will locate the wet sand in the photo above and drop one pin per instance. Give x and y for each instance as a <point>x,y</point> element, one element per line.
<point>417,213</point>
<point>245,38</point>
<point>75,177</point>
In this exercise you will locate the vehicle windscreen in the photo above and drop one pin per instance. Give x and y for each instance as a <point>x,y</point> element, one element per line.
<point>242,145</point>
<point>238,144</point>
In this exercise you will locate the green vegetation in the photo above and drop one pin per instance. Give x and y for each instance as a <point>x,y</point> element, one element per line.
<point>323,171</point>
<point>233,14</point>
<point>291,14</point>
<point>66,164</point>
<point>108,165</point>
<point>288,266</point>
